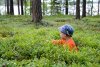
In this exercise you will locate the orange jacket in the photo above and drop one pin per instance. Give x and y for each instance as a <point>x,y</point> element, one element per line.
<point>70,43</point>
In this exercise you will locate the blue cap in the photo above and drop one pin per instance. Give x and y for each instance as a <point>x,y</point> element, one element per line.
<point>67,29</point>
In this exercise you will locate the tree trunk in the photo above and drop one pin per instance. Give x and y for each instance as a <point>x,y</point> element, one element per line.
<point>22,12</point>
<point>92,8</point>
<point>74,7</point>
<point>98,6</point>
<point>84,9</point>
<point>66,7</point>
<point>51,8</point>
<point>30,7</point>
<point>78,9</point>
<point>36,11</point>
<point>43,5</point>
<point>8,11</point>
<point>5,6</point>
<point>11,8</point>
<point>25,6</point>
<point>18,7</point>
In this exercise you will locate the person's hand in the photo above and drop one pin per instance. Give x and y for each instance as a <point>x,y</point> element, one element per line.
<point>54,42</point>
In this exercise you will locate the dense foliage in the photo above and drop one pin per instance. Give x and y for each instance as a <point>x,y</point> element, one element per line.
<point>23,44</point>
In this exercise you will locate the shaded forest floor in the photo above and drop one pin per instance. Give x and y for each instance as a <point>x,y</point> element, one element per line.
<point>23,44</point>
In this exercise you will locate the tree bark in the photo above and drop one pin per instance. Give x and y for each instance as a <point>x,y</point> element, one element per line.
<point>22,12</point>
<point>74,7</point>
<point>66,7</point>
<point>92,8</point>
<point>51,8</point>
<point>8,10</point>
<point>36,11</point>
<point>78,9</point>
<point>98,6</point>
<point>25,6</point>
<point>43,5</point>
<point>11,7</point>
<point>18,7</point>
<point>84,9</point>
<point>30,7</point>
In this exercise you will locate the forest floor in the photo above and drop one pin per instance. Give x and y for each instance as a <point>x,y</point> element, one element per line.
<point>25,44</point>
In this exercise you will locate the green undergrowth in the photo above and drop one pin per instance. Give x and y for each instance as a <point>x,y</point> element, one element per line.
<point>24,44</point>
